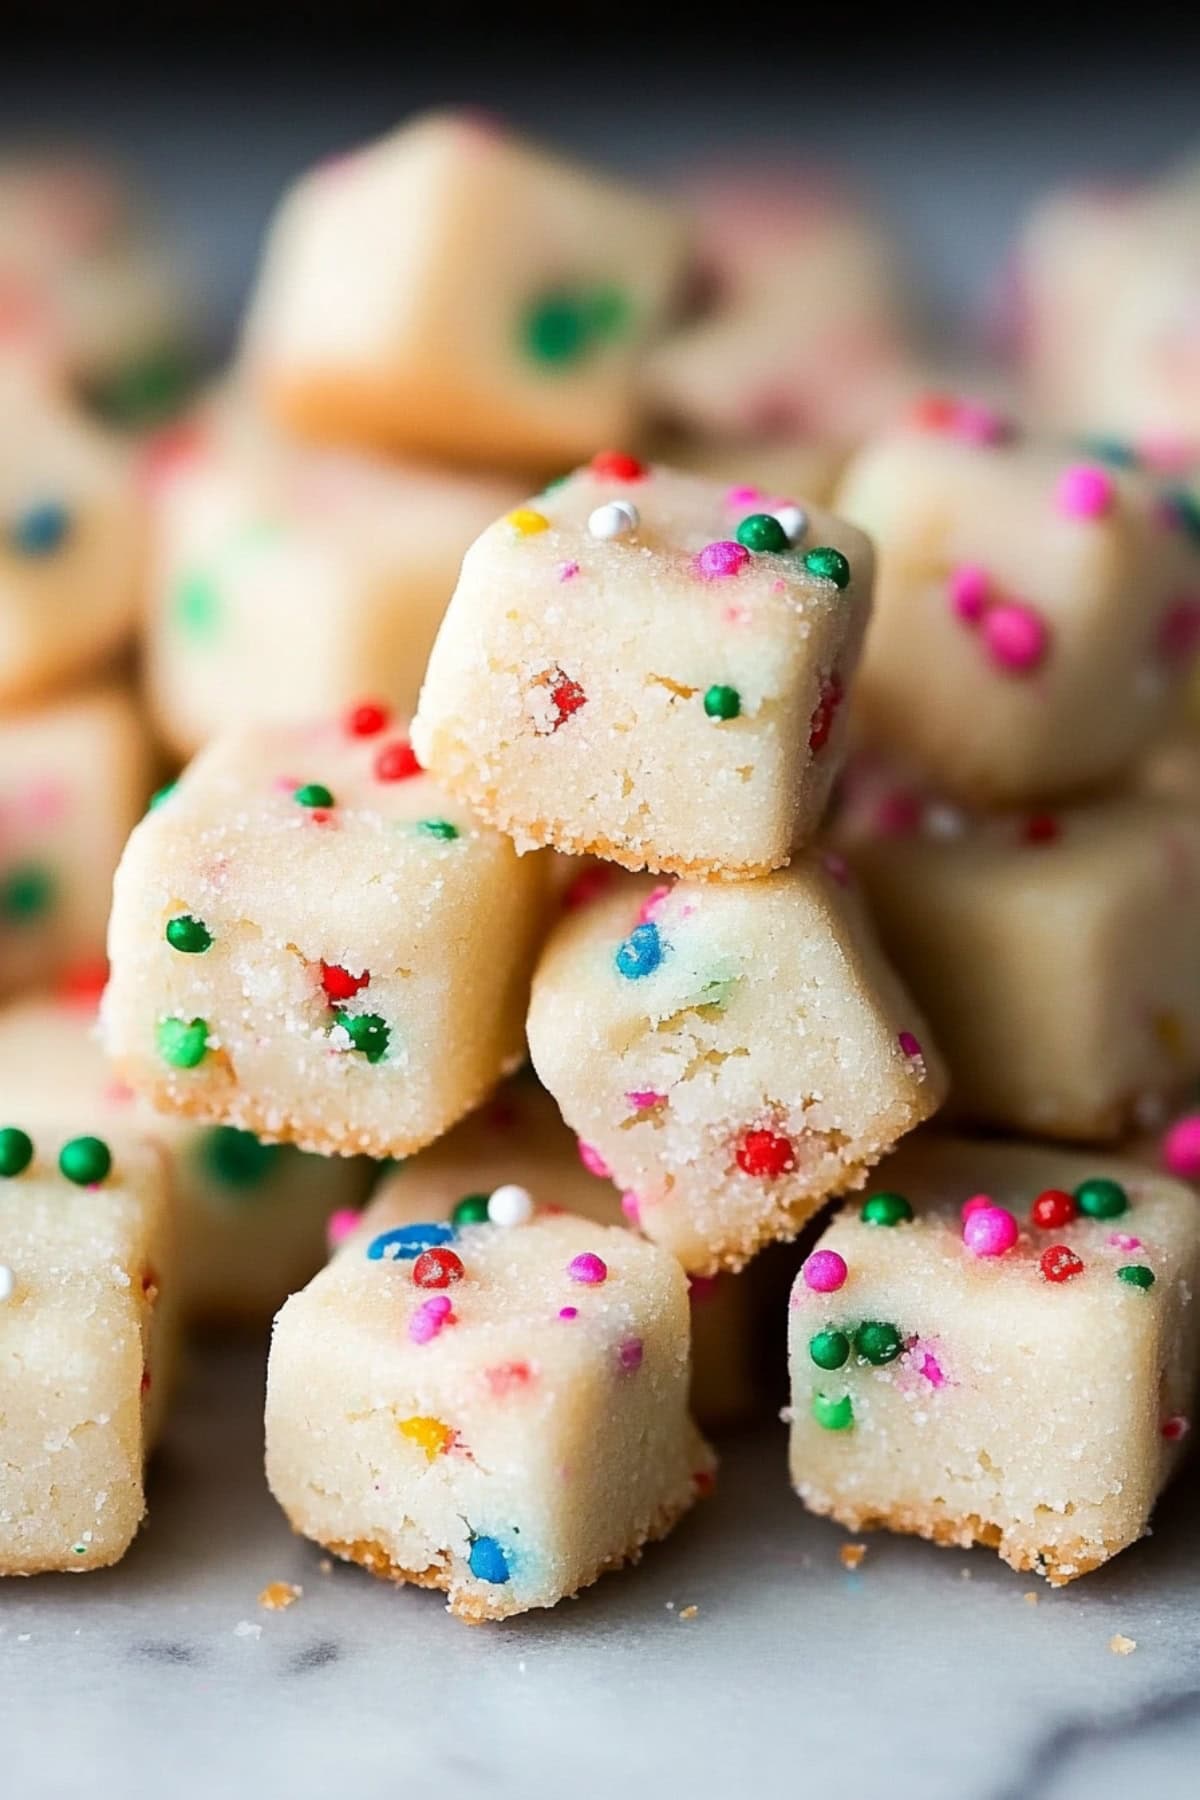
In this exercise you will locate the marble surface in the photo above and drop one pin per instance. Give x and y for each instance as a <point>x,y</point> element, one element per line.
<point>925,1673</point>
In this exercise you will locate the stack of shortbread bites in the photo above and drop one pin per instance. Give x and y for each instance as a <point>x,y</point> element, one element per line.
<point>610,921</point>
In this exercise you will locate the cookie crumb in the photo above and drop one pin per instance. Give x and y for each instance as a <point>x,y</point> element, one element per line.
<point>851,1555</point>
<point>277,1596</point>
<point>1031,1599</point>
<point>689,1612</point>
<point>246,1630</point>
<point>964,1574</point>
<point>325,1566</point>
<point>670,1605</point>
<point>1122,1646</point>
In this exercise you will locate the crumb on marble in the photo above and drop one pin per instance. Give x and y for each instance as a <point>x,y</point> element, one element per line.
<point>245,1629</point>
<point>1031,1599</point>
<point>1122,1646</point>
<point>689,1612</point>
<point>851,1555</point>
<point>277,1596</point>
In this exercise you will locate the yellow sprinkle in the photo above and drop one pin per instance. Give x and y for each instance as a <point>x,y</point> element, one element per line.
<point>430,1435</point>
<point>277,1596</point>
<point>851,1555</point>
<point>689,1612</point>
<point>527,523</point>
<point>1122,1646</point>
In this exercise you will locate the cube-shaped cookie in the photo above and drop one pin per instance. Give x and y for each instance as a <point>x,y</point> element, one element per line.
<point>452,291</point>
<point>733,1053</point>
<point>87,1316</point>
<point>310,942</point>
<point>70,541</point>
<point>251,1217</point>
<point>652,667</point>
<point>999,1347</point>
<point>517,1140</point>
<point>1036,616</point>
<point>74,777</point>
<point>331,569</point>
<point>1055,954</point>
<point>497,1410</point>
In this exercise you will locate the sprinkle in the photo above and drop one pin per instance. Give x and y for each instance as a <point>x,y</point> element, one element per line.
<point>989,1231</point>
<point>197,605</point>
<point>567,697</point>
<point>191,937</point>
<point>340,1225</point>
<point>631,1206</point>
<point>978,424</point>
<point>437,1268</point>
<point>654,902</point>
<point>161,794</point>
<point>340,984</point>
<point>277,1596</point>
<point>183,1043</point>
<point>977,1203</point>
<point>526,522</point>
<point>567,571</point>
<point>487,1561</point>
<point>16,1151</point>
<point>1181,1148</point>
<point>828,564</point>
<point>368,1033</point>
<point>40,530</point>
<point>313,793</point>
<point>397,762</point>
<point>794,520</point>
<point>762,533</point>
<point>716,561</point>
<point>1052,1210</point>
<point>1176,1427</point>
<point>85,1161</point>
<point>568,1312</point>
<point>969,592</point>
<point>833,1415</point>
<point>851,1555</point>
<point>722,702</point>
<point>26,891</point>
<point>886,1209</point>
<point>8,1283</point>
<point>1041,828</point>
<point>472,1209</point>
<point>910,1045</point>
<point>1122,1240</point>
<point>406,1242</point>
<point>1084,492</point>
<point>367,719</point>
<point>640,953</point>
<point>1122,1646</point>
<point>829,1349</point>
<point>1136,1275</point>
<point>428,1434</point>
<point>588,1268</point>
<point>767,1154</point>
<point>237,1158</point>
<point>437,828</point>
<point>592,1160</point>
<point>616,519</point>
<point>508,1378</point>
<point>1101,1198</point>
<point>824,1271</point>
<point>1060,1263</point>
<point>877,1342</point>
<point>836,866</point>
<point>1016,636</point>
<point>644,1099</point>
<point>510,1205</point>
<point>631,1353</point>
<point>616,465</point>
<point>429,1318</point>
<point>830,694</point>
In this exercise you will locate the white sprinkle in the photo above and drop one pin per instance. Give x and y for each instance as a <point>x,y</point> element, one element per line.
<point>247,1630</point>
<point>794,520</point>
<point>8,1283</point>
<point>510,1205</point>
<point>616,519</point>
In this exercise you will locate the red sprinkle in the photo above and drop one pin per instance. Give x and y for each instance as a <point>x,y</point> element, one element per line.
<point>1041,828</point>
<point>437,1268</point>
<point>766,1153</point>
<point>397,762</point>
<point>1060,1263</point>
<point>1052,1210</point>
<point>829,700</point>
<point>339,984</point>
<point>587,886</point>
<point>934,412</point>
<point>616,465</point>
<point>567,696</point>
<point>367,719</point>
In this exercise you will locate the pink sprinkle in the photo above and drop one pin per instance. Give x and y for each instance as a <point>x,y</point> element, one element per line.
<point>991,1231</point>
<point>285,784</point>
<point>630,1353</point>
<point>642,1099</point>
<point>568,1312</point>
<point>631,1206</point>
<point>977,1203</point>
<point>118,1092</point>
<point>653,903</point>
<point>931,1369</point>
<point>824,1271</point>
<point>722,558</point>
<point>898,814</point>
<point>588,1268</point>
<point>1175,1427</point>
<point>46,802</point>
<point>1181,1148</point>
<point>592,1160</point>
<point>567,571</point>
<point>1084,492</point>
<point>836,867</point>
<point>743,496</point>
<point>910,1045</point>
<point>701,1288</point>
<point>1179,632</point>
<point>339,1225</point>
<point>1121,1240</point>
<point>1016,635</point>
<point>429,1318</point>
<point>735,615</point>
<point>969,592</point>
<point>978,424</point>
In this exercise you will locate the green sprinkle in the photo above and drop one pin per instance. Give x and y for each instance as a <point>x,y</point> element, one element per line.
<point>182,1042</point>
<point>555,329</point>
<point>438,828</point>
<point>145,392</point>
<point>1137,1275</point>
<point>1113,451</point>
<point>829,564</point>
<point>609,312</point>
<point>833,1415</point>
<point>26,891</point>
<point>313,793</point>
<point>368,1033</point>
<point>16,1150</point>
<point>1101,1198</point>
<point>188,935</point>
<point>1184,508</point>
<point>722,703</point>
<point>886,1209</point>
<point>762,532</point>
<point>161,794</point>
<point>85,1160</point>
<point>472,1209</point>
<point>829,1349</point>
<point>237,1159</point>
<point>878,1342</point>
<point>198,605</point>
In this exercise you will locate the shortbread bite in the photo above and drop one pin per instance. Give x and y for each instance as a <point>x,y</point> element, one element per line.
<point>502,1415</point>
<point>451,291</point>
<point>74,777</point>
<point>518,1138</point>
<point>1055,955</point>
<point>619,673</point>
<point>251,1217</point>
<point>1019,1377</point>
<point>71,541</point>
<point>327,569</point>
<point>733,1054</point>
<point>1036,614</point>
<point>87,1326</point>
<point>310,942</point>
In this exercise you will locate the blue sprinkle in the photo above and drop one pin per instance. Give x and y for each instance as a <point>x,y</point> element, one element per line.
<point>41,530</point>
<point>408,1241</point>
<point>488,1561</point>
<point>640,953</point>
